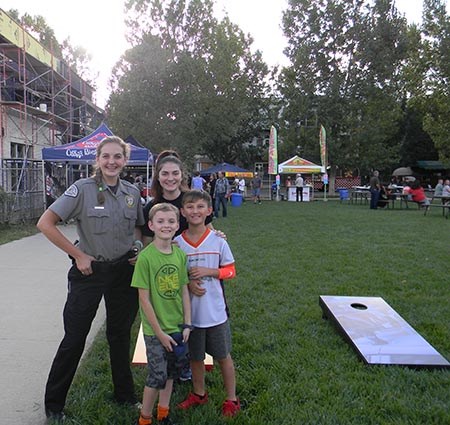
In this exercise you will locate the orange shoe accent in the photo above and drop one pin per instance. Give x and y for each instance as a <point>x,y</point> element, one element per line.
<point>143,420</point>
<point>163,412</point>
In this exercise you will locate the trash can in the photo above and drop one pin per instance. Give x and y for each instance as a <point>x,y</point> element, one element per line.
<point>343,194</point>
<point>236,199</point>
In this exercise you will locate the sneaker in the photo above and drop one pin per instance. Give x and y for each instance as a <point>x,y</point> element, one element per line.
<point>230,408</point>
<point>142,421</point>
<point>186,373</point>
<point>193,400</point>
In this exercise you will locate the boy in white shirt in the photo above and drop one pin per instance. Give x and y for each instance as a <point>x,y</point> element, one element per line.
<point>209,261</point>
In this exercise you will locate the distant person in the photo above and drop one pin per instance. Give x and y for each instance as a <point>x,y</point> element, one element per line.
<point>129,178</point>
<point>221,194</point>
<point>236,184</point>
<point>439,187</point>
<point>383,199</point>
<point>375,186</point>
<point>212,186</point>
<point>256,185</point>
<point>198,182</point>
<point>108,214</point>
<point>417,194</point>
<point>161,278</point>
<point>288,186</point>
<point>209,262</point>
<point>50,192</point>
<point>299,187</point>
<point>446,189</point>
<point>241,187</point>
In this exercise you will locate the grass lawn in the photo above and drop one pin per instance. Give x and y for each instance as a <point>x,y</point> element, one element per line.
<point>292,365</point>
<point>12,232</point>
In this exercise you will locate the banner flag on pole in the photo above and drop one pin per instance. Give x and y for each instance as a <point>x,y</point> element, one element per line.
<point>323,146</point>
<point>273,151</point>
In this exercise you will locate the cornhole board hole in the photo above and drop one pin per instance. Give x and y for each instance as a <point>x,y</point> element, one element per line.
<point>378,333</point>
<point>140,353</point>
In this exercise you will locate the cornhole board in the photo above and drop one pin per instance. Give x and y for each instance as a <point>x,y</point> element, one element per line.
<point>378,333</point>
<point>140,353</point>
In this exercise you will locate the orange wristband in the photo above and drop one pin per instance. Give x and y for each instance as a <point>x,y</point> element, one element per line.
<point>227,272</point>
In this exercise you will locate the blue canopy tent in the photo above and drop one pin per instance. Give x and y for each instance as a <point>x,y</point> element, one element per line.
<point>132,141</point>
<point>83,152</point>
<point>230,170</point>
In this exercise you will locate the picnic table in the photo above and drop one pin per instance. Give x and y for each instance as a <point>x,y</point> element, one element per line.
<point>361,193</point>
<point>444,204</point>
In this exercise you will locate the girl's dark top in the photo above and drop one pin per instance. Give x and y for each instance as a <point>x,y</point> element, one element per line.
<point>177,202</point>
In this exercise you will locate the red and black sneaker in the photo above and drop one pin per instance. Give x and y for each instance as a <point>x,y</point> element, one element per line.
<point>230,408</point>
<point>193,400</point>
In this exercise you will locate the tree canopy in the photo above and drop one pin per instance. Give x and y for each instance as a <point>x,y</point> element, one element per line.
<point>190,81</point>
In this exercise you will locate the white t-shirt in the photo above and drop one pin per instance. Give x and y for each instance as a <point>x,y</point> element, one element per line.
<point>210,251</point>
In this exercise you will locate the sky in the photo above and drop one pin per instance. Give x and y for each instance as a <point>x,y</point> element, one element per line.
<point>97,25</point>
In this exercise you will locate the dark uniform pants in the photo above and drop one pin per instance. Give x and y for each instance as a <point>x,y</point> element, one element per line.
<point>112,281</point>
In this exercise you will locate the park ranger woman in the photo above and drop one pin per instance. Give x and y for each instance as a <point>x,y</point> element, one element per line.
<point>108,214</point>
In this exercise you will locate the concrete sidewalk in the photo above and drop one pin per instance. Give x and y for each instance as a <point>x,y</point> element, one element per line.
<point>33,289</point>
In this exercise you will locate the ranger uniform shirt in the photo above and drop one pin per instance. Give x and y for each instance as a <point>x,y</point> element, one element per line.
<point>106,231</point>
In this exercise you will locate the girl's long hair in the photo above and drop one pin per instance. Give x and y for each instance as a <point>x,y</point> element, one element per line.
<point>166,157</point>
<point>98,177</point>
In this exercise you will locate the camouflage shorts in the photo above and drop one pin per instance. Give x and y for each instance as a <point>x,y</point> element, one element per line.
<point>161,364</point>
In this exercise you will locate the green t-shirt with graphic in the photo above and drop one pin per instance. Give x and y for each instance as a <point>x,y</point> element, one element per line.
<point>163,275</point>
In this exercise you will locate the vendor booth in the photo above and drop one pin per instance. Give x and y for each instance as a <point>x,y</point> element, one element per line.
<point>230,170</point>
<point>82,153</point>
<point>296,165</point>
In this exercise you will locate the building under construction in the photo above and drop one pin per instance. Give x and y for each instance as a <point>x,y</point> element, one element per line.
<point>42,103</point>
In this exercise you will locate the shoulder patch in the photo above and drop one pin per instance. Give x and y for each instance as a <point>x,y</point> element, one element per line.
<point>129,200</point>
<point>72,191</point>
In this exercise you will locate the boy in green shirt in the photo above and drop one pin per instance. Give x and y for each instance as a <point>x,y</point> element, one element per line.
<point>161,277</point>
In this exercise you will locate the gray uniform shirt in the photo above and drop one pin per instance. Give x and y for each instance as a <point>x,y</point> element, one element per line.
<point>106,231</point>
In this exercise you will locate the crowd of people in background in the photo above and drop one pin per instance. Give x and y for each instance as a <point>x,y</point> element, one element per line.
<point>411,188</point>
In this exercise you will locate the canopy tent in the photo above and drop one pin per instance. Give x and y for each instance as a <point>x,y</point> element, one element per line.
<point>77,156</point>
<point>296,165</point>
<point>229,169</point>
<point>432,165</point>
<point>132,141</point>
<point>83,151</point>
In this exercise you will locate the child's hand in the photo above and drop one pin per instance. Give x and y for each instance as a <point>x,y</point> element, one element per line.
<point>199,272</point>
<point>132,260</point>
<point>186,333</point>
<point>220,234</point>
<point>167,341</point>
<point>195,287</point>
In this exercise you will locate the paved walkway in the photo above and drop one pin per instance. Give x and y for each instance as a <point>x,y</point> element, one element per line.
<point>33,286</point>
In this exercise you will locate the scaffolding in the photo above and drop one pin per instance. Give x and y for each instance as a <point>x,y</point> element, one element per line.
<point>43,103</point>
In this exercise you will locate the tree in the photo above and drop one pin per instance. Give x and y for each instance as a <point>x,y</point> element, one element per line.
<point>200,88</point>
<point>346,61</point>
<point>436,30</point>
